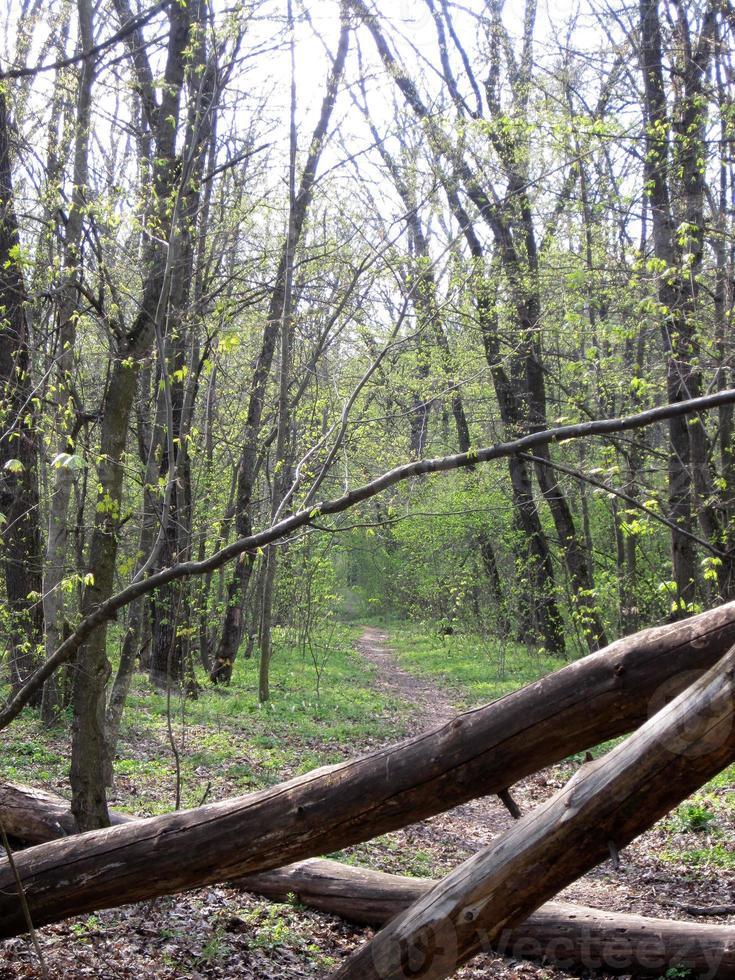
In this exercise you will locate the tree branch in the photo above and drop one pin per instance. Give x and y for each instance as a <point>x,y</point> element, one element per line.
<point>129,28</point>
<point>578,475</point>
<point>252,543</point>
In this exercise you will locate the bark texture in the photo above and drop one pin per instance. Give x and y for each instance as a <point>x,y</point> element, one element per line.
<point>605,805</point>
<point>92,666</point>
<point>477,753</point>
<point>35,816</point>
<point>563,933</point>
<point>570,936</point>
<point>19,502</point>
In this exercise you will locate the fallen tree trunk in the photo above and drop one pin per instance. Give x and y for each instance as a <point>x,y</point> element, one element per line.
<point>34,815</point>
<point>602,808</point>
<point>480,752</point>
<point>570,936</point>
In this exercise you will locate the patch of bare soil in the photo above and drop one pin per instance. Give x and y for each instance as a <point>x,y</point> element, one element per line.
<point>473,824</point>
<point>431,706</point>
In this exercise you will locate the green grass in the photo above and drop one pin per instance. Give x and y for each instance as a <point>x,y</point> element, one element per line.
<point>723,783</point>
<point>30,755</point>
<point>694,817</point>
<point>227,742</point>
<point>345,710</point>
<point>715,856</point>
<point>280,925</point>
<point>471,669</point>
<point>389,853</point>
<point>702,828</point>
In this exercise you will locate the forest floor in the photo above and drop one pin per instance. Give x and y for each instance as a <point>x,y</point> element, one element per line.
<point>404,687</point>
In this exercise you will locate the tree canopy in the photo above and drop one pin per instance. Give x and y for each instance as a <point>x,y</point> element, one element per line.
<point>266,265</point>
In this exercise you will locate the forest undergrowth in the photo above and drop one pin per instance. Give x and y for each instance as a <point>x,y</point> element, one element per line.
<point>226,744</point>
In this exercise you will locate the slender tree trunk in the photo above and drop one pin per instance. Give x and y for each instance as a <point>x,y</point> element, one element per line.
<point>539,617</point>
<point>19,498</point>
<point>674,177</point>
<point>234,620</point>
<point>63,474</point>
<point>92,668</point>
<point>138,611</point>
<point>121,686</point>
<point>170,660</point>
<point>89,803</point>
<point>424,292</point>
<point>512,228</point>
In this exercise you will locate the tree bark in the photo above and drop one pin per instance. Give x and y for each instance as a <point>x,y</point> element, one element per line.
<point>539,612</point>
<point>675,181</point>
<point>563,933</point>
<point>170,662</point>
<point>605,805</point>
<point>63,475</point>
<point>121,685</point>
<point>92,666</point>
<point>423,290</point>
<point>480,752</point>
<point>35,816</point>
<point>19,500</point>
<point>570,936</point>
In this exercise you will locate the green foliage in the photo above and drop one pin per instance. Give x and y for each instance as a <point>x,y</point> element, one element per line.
<point>389,853</point>
<point>215,950</point>
<point>31,756</point>
<point>693,818</point>
<point>275,925</point>
<point>225,737</point>
<point>716,856</point>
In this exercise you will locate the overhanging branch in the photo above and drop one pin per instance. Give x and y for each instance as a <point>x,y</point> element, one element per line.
<point>250,544</point>
<point>615,492</point>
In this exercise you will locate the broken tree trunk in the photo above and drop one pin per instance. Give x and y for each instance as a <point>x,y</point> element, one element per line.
<point>601,809</point>
<point>479,752</point>
<point>570,936</point>
<point>34,816</point>
<point>565,934</point>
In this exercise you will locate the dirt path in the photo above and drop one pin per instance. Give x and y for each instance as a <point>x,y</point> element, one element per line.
<point>445,840</point>
<point>641,884</point>
<point>431,705</point>
<point>466,827</point>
